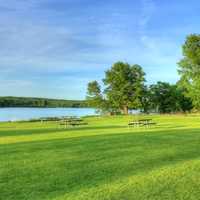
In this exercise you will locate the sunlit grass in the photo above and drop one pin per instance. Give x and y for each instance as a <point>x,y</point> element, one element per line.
<point>103,160</point>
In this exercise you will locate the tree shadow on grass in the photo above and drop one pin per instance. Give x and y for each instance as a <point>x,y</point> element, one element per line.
<point>24,132</point>
<point>94,160</point>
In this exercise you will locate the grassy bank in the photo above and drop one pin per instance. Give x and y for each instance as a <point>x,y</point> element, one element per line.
<point>101,161</point>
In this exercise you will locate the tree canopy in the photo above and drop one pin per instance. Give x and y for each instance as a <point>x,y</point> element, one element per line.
<point>123,88</point>
<point>124,85</point>
<point>168,98</point>
<point>94,96</point>
<point>189,69</point>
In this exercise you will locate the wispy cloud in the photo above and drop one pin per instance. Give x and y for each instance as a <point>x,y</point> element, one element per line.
<point>50,43</point>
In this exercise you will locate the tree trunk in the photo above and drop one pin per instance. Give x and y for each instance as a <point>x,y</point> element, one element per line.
<point>125,110</point>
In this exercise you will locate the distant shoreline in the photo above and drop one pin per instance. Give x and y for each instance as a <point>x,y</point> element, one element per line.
<point>36,102</point>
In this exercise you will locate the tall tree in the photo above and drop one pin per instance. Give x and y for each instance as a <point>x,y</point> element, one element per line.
<point>124,86</point>
<point>189,69</point>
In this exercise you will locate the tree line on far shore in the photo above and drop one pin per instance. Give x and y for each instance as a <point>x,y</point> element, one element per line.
<point>40,102</point>
<point>124,87</point>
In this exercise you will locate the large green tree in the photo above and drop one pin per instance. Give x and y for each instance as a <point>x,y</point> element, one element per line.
<point>189,69</point>
<point>168,98</point>
<point>124,86</point>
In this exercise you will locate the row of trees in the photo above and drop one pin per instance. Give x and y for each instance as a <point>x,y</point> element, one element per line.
<point>39,102</point>
<point>124,87</point>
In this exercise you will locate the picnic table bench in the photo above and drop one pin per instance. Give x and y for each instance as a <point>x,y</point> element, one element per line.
<point>141,122</point>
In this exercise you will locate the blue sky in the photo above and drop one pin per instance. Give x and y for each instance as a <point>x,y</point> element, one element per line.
<point>53,48</point>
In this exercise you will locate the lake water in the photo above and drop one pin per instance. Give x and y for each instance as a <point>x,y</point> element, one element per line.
<point>15,114</point>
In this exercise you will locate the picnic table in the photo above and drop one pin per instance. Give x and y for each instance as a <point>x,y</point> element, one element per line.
<point>141,122</point>
<point>71,122</point>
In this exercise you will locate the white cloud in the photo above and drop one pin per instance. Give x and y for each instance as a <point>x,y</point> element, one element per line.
<point>43,41</point>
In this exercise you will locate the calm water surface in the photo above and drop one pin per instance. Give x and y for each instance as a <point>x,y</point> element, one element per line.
<point>15,114</point>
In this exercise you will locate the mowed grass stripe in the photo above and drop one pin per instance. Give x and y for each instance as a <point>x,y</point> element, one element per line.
<point>86,162</point>
<point>178,181</point>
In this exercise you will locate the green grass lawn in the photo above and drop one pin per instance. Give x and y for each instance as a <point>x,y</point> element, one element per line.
<point>105,160</point>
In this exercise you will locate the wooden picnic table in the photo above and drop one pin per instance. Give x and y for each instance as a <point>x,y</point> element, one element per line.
<point>72,122</point>
<point>141,122</point>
